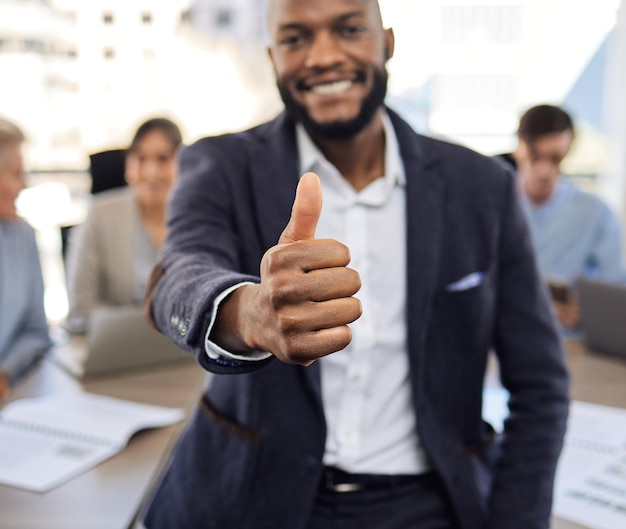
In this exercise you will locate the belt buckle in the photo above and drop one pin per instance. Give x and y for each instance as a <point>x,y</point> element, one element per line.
<point>341,487</point>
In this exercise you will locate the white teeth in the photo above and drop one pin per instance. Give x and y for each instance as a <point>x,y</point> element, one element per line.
<point>336,87</point>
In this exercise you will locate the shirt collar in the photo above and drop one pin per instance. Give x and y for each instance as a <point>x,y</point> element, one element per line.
<point>311,157</point>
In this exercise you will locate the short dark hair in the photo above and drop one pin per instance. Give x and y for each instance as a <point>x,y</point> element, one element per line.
<point>169,128</point>
<point>542,120</point>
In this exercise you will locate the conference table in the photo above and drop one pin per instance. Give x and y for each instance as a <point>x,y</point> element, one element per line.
<point>111,495</point>
<point>596,378</point>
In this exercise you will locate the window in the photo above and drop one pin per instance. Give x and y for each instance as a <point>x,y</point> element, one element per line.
<point>108,18</point>
<point>109,53</point>
<point>34,46</point>
<point>488,92</point>
<point>146,17</point>
<point>223,18</point>
<point>498,24</point>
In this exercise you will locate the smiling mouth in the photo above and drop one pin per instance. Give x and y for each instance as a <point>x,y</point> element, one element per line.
<point>334,88</point>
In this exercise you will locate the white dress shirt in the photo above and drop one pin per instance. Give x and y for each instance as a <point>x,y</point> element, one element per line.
<point>366,392</point>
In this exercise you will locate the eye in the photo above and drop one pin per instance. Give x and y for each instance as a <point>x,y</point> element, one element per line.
<point>352,31</point>
<point>294,40</point>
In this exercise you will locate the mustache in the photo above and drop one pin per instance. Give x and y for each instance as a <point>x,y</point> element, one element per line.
<point>343,129</point>
<point>306,84</point>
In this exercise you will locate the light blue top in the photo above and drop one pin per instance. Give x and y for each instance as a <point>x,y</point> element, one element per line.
<point>23,329</point>
<point>575,234</point>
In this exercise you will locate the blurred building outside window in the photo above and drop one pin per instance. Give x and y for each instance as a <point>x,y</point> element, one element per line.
<point>83,75</point>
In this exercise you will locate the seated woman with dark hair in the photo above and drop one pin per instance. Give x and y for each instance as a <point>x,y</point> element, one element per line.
<point>23,329</point>
<point>111,254</point>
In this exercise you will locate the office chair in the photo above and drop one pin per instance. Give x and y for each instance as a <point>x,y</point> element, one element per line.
<point>107,170</point>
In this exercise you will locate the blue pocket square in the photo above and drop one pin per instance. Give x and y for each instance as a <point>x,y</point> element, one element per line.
<point>465,283</point>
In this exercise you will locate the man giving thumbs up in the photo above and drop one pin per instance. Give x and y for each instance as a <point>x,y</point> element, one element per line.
<point>302,306</point>
<point>328,411</point>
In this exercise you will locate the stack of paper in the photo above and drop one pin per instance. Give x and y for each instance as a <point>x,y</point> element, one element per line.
<point>45,441</point>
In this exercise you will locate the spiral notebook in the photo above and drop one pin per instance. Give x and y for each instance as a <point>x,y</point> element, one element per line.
<point>45,441</point>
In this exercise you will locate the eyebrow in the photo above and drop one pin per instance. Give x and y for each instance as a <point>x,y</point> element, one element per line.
<point>298,26</point>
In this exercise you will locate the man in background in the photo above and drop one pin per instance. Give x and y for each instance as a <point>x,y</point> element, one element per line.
<point>348,314</point>
<point>575,234</point>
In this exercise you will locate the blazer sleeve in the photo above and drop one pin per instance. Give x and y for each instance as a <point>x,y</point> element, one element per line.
<point>533,370</point>
<point>200,258</point>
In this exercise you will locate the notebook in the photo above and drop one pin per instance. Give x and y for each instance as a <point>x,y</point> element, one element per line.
<point>118,339</point>
<point>603,316</point>
<point>45,441</point>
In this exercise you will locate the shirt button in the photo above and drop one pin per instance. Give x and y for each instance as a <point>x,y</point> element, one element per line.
<point>348,436</point>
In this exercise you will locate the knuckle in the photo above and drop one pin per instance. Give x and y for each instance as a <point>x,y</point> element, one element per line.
<point>344,253</point>
<point>296,349</point>
<point>346,337</point>
<point>354,278</point>
<point>274,260</point>
<point>357,308</point>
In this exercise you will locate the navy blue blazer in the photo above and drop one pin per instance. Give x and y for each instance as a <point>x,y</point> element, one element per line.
<point>252,455</point>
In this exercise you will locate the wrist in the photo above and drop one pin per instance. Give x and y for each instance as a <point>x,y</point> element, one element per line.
<point>232,322</point>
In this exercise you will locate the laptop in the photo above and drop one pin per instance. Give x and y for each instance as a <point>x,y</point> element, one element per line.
<point>118,339</point>
<point>603,316</point>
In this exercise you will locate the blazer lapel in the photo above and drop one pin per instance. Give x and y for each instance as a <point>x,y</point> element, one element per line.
<point>274,177</point>
<point>425,207</point>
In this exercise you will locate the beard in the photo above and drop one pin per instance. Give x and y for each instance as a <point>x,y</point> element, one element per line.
<point>338,130</point>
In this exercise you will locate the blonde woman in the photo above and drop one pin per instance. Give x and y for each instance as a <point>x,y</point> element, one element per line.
<point>23,329</point>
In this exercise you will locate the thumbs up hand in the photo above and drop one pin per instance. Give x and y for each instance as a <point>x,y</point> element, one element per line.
<point>300,310</point>
<point>305,212</point>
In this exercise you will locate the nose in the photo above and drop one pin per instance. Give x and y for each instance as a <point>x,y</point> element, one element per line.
<point>546,170</point>
<point>149,170</point>
<point>324,52</point>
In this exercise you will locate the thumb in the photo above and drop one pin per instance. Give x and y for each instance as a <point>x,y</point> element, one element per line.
<point>305,212</point>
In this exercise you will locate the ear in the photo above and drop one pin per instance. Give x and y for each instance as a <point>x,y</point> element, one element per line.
<point>270,54</point>
<point>521,151</point>
<point>390,43</point>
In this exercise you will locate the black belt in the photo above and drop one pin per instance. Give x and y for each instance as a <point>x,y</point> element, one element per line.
<point>336,480</point>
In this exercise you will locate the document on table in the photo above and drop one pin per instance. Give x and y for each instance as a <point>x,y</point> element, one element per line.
<point>590,484</point>
<point>45,441</point>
